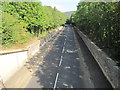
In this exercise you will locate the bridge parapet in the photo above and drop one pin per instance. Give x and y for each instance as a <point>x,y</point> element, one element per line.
<point>107,65</point>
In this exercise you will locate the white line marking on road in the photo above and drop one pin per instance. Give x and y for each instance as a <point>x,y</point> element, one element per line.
<point>61,60</point>
<point>63,49</point>
<point>56,80</point>
<point>64,43</point>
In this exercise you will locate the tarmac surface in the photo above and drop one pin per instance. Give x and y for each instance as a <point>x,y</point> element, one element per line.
<point>65,62</point>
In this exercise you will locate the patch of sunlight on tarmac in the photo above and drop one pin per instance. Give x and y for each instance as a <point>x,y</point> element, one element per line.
<point>68,67</point>
<point>65,84</point>
<point>71,86</point>
<point>99,49</point>
<point>71,51</point>
<point>80,76</point>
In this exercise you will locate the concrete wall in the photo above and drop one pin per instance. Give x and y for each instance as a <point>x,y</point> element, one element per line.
<point>107,65</point>
<point>13,60</point>
<point>10,62</point>
<point>35,47</point>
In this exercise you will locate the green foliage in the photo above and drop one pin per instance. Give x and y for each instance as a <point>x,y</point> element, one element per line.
<point>100,21</point>
<point>37,17</point>
<point>20,19</point>
<point>54,17</point>
<point>13,31</point>
<point>28,12</point>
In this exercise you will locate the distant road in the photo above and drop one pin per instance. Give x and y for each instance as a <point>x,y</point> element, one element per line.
<point>67,64</point>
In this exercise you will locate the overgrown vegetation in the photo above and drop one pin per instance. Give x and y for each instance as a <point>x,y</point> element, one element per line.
<point>22,21</point>
<point>101,22</point>
<point>13,31</point>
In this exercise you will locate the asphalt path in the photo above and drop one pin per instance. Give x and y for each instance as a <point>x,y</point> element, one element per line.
<point>65,62</point>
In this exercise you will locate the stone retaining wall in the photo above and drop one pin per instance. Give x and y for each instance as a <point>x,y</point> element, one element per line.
<point>107,65</point>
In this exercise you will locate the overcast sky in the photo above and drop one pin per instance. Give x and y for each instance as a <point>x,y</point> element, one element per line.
<point>62,5</point>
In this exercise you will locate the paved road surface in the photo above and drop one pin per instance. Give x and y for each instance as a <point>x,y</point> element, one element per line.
<point>66,64</point>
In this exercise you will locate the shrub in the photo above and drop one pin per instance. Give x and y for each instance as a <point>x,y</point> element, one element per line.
<point>13,31</point>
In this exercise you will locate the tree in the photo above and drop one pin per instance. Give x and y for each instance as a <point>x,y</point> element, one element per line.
<point>100,21</point>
